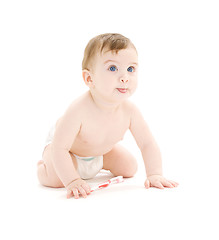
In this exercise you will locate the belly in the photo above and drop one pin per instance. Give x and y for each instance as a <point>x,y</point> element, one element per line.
<point>97,146</point>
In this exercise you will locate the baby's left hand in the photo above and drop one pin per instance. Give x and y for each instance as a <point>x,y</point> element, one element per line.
<point>159,181</point>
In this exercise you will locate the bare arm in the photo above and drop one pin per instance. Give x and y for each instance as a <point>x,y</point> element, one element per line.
<point>150,152</point>
<point>66,131</point>
<point>145,141</point>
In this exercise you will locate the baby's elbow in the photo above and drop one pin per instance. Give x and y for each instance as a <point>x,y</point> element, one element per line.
<point>149,145</point>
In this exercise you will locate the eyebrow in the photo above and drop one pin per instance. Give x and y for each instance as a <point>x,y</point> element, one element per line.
<point>118,62</point>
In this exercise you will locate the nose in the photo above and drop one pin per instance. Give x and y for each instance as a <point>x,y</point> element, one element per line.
<point>124,80</point>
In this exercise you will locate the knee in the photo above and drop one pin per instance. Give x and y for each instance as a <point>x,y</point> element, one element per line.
<point>45,180</point>
<point>128,169</point>
<point>131,169</point>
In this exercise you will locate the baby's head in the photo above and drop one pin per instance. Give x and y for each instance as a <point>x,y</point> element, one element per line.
<point>103,43</point>
<point>109,67</point>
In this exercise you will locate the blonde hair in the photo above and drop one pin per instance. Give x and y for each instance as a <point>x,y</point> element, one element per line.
<point>108,42</point>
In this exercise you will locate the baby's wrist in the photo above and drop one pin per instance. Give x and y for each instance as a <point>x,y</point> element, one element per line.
<point>75,179</point>
<point>154,174</point>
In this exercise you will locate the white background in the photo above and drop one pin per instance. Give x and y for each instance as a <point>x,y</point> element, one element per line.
<point>41,50</point>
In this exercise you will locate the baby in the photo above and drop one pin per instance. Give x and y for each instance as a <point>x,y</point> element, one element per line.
<point>85,139</point>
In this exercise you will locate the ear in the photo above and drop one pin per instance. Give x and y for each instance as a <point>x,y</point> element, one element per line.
<point>87,77</point>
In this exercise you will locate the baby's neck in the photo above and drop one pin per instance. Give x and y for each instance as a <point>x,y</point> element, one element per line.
<point>103,105</point>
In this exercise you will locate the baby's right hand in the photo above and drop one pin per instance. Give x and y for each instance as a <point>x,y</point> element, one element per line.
<point>77,187</point>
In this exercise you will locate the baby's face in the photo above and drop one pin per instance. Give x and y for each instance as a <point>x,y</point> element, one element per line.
<point>114,76</point>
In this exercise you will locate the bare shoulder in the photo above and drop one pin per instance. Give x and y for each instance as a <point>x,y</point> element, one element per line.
<point>75,110</point>
<point>129,107</point>
<point>69,125</point>
<point>79,103</point>
<point>135,115</point>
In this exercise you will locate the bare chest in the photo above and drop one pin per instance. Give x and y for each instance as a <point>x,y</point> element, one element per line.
<point>102,133</point>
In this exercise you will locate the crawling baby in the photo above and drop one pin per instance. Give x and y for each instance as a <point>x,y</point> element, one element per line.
<point>85,139</point>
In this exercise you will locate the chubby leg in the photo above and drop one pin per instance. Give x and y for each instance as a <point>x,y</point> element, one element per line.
<point>120,162</point>
<point>46,173</point>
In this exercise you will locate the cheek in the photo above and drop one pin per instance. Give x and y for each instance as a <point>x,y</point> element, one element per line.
<point>105,84</point>
<point>107,81</point>
<point>134,83</point>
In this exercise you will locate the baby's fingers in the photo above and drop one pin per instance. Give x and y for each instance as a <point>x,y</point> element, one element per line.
<point>82,192</point>
<point>69,193</point>
<point>87,188</point>
<point>167,183</point>
<point>73,192</point>
<point>175,184</point>
<point>79,187</point>
<point>147,184</point>
<point>158,184</point>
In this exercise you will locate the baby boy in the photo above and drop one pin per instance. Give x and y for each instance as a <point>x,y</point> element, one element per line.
<point>85,139</point>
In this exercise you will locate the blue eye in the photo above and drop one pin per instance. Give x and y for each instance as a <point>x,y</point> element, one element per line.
<point>113,68</point>
<point>130,69</point>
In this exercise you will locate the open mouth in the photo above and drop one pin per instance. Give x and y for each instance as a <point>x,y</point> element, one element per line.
<point>122,90</point>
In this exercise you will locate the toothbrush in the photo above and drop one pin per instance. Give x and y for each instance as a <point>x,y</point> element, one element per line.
<point>118,179</point>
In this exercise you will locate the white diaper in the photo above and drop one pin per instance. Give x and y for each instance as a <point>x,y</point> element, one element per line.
<point>88,167</point>
<point>50,136</point>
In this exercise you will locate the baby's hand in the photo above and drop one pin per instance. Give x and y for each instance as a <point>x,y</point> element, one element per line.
<point>77,187</point>
<point>159,181</point>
